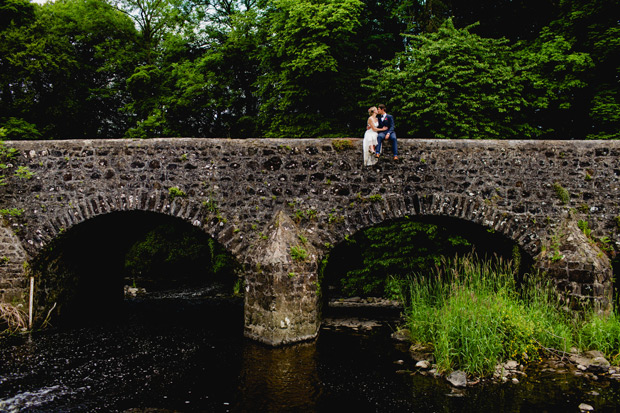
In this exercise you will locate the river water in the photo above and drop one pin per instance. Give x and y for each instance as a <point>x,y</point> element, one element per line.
<point>185,354</point>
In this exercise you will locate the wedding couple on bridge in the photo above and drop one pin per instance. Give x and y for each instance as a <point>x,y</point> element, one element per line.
<point>379,128</point>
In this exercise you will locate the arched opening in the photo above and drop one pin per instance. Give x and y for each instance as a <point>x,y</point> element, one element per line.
<point>117,264</point>
<point>370,262</point>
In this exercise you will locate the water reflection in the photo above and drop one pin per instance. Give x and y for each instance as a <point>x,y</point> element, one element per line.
<point>190,356</point>
<point>274,380</point>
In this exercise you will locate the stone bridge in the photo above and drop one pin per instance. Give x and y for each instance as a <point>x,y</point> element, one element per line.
<point>279,205</point>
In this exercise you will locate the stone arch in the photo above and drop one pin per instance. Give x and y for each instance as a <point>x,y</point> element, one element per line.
<point>55,285</point>
<point>374,211</point>
<point>461,215</point>
<point>188,209</point>
<point>582,272</point>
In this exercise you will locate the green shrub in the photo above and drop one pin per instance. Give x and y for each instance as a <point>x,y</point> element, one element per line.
<point>372,256</point>
<point>168,254</point>
<point>342,144</point>
<point>7,153</point>
<point>175,192</point>
<point>584,227</point>
<point>298,253</point>
<point>211,206</point>
<point>19,129</point>
<point>23,172</point>
<point>561,193</point>
<point>12,212</point>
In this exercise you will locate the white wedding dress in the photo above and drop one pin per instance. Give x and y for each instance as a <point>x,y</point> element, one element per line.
<point>370,139</point>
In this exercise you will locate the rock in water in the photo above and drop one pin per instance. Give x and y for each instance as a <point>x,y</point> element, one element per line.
<point>401,335</point>
<point>423,364</point>
<point>458,378</point>
<point>511,365</point>
<point>599,364</point>
<point>585,407</point>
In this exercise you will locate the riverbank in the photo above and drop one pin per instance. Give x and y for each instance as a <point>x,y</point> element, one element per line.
<point>475,315</point>
<point>588,370</point>
<point>183,351</point>
<point>591,364</point>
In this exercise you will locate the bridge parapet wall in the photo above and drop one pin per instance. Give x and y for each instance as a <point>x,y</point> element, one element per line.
<point>234,188</point>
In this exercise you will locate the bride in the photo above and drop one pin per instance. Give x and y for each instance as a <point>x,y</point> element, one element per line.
<point>370,137</point>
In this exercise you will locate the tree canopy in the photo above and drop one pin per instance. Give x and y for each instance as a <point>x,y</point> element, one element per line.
<point>309,68</point>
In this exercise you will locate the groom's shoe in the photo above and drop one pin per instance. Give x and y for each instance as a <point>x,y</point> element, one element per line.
<point>377,155</point>
<point>395,158</point>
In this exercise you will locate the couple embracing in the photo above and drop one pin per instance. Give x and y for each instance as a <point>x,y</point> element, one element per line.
<point>379,128</point>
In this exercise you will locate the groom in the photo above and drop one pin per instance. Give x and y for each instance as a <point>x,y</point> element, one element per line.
<point>389,134</point>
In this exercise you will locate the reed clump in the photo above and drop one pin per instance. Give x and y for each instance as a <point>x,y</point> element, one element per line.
<point>476,315</point>
<point>12,318</point>
<point>602,333</point>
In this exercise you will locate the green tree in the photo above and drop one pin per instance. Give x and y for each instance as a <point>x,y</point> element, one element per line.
<point>65,70</point>
<point>155,19</point>
<point>15,12</point>
<point>423,16</point>
<point>378,39</point>
<point>207,90</point>
<point>300,86</point>
<point>591,27</point>
<point>16,17</point>
<point>218,88</point>
<point>172,255</point>
<point>147,87</point>
<point>166,251</point>
<point>374,260</point>
<point>225,86</point>
<point>364,263</point>
<point>454,84</point>
<point>18,129</point>
<point>556,86</point>
<point>513,19</point>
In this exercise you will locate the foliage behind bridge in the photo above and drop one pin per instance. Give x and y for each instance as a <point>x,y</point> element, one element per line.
<point>284,68</point>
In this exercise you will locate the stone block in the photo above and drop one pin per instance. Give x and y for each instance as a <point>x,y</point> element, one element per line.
<point>598,290</point>
<point>587,290</point>
<point>580,276</point>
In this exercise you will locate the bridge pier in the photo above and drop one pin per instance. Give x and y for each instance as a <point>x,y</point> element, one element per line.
<point>281,286</point>
<point>13,282</point>
<point>581,272</point>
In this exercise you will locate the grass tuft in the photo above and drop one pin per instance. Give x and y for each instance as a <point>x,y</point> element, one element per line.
<point>475,315</point>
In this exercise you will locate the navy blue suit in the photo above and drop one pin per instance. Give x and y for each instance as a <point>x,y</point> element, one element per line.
<point>389,122</point>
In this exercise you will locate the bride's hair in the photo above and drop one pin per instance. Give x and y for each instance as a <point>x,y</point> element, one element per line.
<point>371,110</point>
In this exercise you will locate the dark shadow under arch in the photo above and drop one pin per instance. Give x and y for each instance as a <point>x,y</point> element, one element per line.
<point>84,273</point>
<point>446,236</point>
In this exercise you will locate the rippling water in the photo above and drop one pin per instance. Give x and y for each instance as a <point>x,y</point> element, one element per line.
<point>184,354</point>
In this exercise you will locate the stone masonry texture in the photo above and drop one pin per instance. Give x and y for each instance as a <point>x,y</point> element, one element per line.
<point>257,196</point>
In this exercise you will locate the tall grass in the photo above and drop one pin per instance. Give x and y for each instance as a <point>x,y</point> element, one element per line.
<point>475,315</point>
<point>601,333</point>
